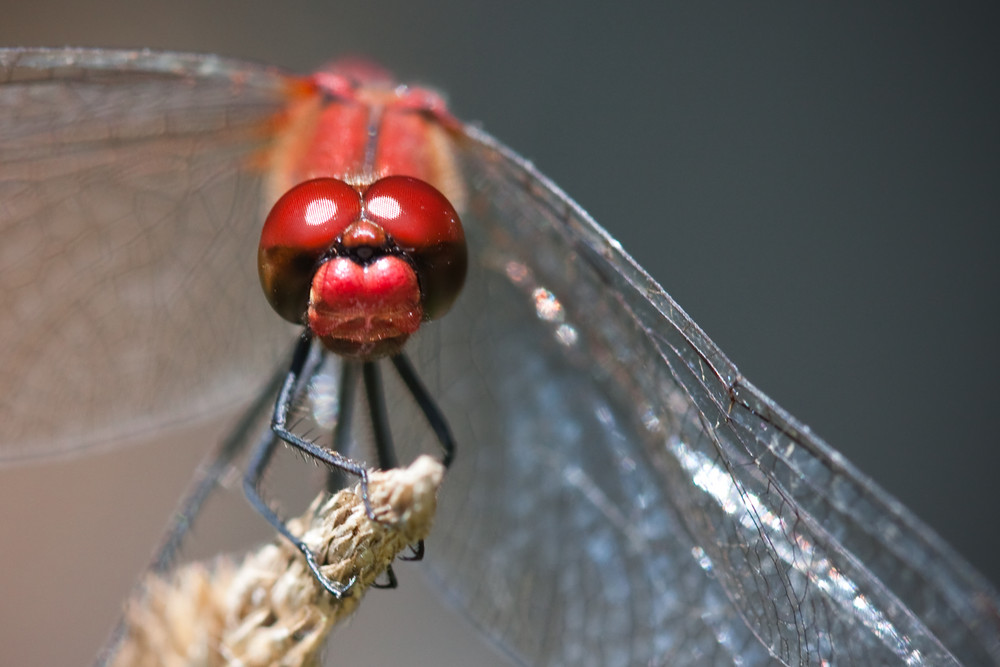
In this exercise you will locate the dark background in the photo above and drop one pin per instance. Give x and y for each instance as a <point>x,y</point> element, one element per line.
<point>816,185</point>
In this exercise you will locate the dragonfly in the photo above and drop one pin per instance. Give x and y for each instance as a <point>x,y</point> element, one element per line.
<point>621,493</point>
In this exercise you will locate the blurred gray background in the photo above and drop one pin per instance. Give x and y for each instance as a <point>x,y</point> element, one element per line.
<point>816,185</point>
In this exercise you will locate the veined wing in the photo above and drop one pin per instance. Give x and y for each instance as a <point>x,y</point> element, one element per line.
<point>622,495</point>
<point>130,215</point>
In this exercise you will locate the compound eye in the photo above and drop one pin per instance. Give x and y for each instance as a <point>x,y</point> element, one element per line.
<point>412,212</point>
<point>311,215</point>
<point>301,226</point>
<point>423,223</point>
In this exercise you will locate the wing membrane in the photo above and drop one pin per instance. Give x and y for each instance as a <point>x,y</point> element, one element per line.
<point>623,495</point>
<point>129,210</point>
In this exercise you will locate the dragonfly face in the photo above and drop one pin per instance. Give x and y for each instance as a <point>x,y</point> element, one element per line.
<point>362,266</point>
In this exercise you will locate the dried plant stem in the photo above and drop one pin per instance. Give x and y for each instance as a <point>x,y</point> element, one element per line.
<point>268,609</point>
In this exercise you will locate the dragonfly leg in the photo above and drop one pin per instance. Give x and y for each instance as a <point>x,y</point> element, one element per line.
<point>391,582</point>
<point>279,424</point>
<point>427,405</point>
<point>416,552</point>
<point>251,487</point>
<point>434,417</point>
<point>383,442</point>
<point>336,462</point>
<point>279,432</point>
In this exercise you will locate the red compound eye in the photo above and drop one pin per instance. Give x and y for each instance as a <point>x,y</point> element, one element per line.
<point>301,226</point>
<point>412,212</point>
<point>423,223</point>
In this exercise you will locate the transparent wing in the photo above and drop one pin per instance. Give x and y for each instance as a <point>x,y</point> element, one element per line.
<point>129,212</point>
<point>622,495</point>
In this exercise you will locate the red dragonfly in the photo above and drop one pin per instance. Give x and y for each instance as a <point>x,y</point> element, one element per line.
<point>622,495</point>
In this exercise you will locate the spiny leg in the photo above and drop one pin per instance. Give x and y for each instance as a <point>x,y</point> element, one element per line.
<point>251,487</point>
<point>265,449</point>
<point>334,460</point>
<point>427,405</point>
<point>279,423</point>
